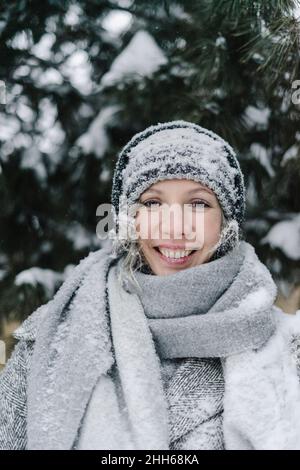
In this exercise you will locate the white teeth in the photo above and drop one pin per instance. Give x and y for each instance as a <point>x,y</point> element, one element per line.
<point>174,254</point>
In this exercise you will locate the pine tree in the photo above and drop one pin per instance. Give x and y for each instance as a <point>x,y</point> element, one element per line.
<point>83,76</point>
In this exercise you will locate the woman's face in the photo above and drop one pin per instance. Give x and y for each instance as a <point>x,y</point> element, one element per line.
<point>178,223</point>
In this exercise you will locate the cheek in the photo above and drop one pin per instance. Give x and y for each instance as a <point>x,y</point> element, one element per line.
<point>212,226</point>
<point>147,225</point>
<point>141,225</point>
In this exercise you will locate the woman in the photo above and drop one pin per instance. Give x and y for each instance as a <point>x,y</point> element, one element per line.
<point>170,338</point>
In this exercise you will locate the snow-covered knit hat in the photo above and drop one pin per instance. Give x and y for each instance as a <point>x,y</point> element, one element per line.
<point>179,149</point>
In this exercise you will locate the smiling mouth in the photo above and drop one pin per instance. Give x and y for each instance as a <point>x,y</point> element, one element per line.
<point>174,256</point>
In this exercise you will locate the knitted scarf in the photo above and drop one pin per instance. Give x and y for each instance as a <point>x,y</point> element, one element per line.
<point>210,310</point>
<point>72,357</point>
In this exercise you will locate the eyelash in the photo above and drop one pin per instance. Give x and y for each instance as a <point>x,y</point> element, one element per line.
<point>198,200</point>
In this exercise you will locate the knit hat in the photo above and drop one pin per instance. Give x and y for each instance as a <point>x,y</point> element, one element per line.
<point>184,150</point>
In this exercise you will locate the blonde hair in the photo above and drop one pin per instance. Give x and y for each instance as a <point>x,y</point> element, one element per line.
<point>133,257</point>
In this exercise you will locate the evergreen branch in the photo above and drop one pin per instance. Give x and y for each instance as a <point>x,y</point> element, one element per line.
<point>276,48</point>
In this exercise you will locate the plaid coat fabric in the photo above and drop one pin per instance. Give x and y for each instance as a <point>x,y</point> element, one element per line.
<point>13,406</point>
<point>198,382</point>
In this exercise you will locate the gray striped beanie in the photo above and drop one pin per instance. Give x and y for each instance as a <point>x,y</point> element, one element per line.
<point>179,149</point>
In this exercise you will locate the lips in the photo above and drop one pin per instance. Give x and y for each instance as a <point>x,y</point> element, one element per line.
<point>176,257</point>
<point>170,253</point>
<point>171,246</point>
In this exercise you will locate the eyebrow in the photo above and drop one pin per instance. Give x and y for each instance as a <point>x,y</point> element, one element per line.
<point>158,191</point>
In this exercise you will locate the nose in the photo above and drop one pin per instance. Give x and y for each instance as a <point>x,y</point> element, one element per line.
<point>179,223</point>
<point>172,226</point>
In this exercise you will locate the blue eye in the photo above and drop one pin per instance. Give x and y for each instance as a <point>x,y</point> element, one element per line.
<point>200,202</point>
<point>150,203</point>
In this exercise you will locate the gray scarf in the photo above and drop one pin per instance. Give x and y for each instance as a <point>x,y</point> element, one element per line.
<point>209,310</point>
<point>73,349</point>
<point>195,312</point>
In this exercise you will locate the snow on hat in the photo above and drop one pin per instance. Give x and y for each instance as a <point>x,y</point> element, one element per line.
<point>184,150</point>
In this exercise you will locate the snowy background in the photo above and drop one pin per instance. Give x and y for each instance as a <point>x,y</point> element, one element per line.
<point>82,77</point>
